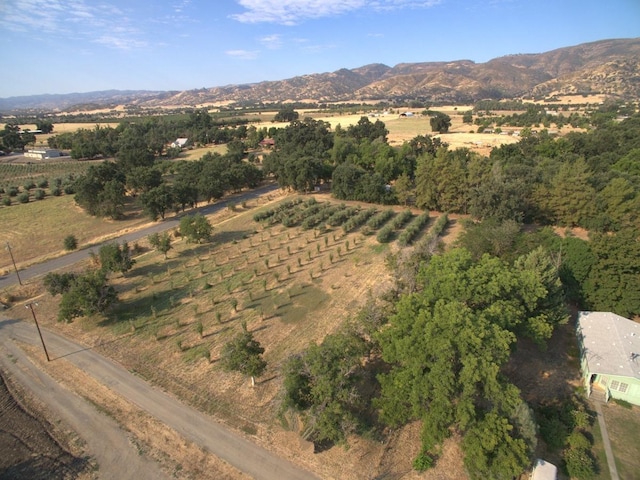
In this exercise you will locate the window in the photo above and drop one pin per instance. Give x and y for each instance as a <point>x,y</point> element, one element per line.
<point>614,384</point>
<point>623,387</point>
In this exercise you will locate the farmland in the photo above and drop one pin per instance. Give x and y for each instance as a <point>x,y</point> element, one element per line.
<point>291,285</point>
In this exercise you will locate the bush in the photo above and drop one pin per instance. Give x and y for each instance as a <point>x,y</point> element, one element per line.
<point>422,462</point>
<point>29,185</point>
<point>56,192</point>
<point>69,190</point>
<point>39,195</point>
<point>579,463</point>
<point>385,234</point>
<point>44,183</point>
<point>23,197</point>
<point>12,191</point>
<point>70,242</point>
<point>6,201</point>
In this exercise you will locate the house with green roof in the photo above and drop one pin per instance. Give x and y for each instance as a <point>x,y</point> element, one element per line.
<point>610,356</point>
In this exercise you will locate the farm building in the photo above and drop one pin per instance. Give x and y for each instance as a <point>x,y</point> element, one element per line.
<point>267,143</point>
<point>42,153</point>
<point>610,356</point>
<point>180,143</point>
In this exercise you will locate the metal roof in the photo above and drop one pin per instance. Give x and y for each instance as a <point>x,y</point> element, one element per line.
<point>611,343</point>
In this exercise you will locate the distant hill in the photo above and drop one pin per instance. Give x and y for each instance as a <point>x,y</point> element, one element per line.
<point>609,66</point>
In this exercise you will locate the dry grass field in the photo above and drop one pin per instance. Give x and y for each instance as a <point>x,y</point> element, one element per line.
<point>36,230</point>
<point>292,287</point>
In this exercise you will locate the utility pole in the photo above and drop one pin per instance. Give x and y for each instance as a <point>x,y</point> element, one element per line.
<point>30,307</point>
<point>14,263</point>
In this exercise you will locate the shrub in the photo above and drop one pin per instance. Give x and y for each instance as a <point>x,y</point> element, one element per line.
<point>385,234</point>
<point>70,242</point>
<point>39,195</point>
<point>29,185</point>
<point>6,201</point>
<point>12,191</point>
<point>422,462</point>
<point>580,464</point>
<point>44,183</point>
<point>23,197</point>
<point>56,192</point>
<point>68,189</point>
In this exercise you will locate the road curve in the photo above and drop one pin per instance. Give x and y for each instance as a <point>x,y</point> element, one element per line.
<point>189,422</point>
<point>173,222</point>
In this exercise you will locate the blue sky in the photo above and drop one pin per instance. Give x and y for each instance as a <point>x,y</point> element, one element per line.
<point>64,46</point>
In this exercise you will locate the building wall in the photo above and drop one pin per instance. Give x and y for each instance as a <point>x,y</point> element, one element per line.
<point>623,388</point>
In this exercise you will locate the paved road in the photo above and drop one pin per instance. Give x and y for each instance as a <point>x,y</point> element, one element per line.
<point>75,257</point>
<point>192,424</point>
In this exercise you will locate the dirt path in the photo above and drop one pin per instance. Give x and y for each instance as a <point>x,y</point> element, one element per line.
<point>191,424</point>
<point>116,456</point>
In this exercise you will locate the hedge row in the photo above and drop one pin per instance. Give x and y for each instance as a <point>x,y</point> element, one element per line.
<point>413,229</point>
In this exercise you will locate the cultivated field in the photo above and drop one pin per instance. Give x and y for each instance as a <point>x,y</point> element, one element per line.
<point>291,285</point>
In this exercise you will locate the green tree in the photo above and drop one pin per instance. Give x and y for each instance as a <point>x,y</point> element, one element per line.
<point>70,242</point>
<point>403,188</point>
<point>196,228</point>
<point>45,126</point>
<point>286,114</point>
<point>440,122</point>
<point>58,283</point>
<point>323,382</point>
<point>89,294</point>
<point>244,354</point>
<point>115,258</point>
<point>161,242</point>
<point>612,283</point>
<point>446,345</point>
<point>157,201</point>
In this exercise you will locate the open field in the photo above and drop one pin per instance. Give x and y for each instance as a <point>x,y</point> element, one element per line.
<point>36,230</point>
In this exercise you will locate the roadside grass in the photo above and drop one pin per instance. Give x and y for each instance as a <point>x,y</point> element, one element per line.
<point>623,426</point>
<point>36,230</point>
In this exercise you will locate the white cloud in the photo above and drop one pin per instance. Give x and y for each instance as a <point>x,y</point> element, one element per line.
<point>272,42</point>
<point>292,12</point>
<point>243,54</point>
<point>79,20</point>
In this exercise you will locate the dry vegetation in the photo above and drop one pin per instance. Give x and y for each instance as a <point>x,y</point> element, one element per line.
<point>292,287</point>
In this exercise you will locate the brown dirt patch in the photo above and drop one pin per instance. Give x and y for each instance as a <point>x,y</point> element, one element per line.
<point>32,446</point>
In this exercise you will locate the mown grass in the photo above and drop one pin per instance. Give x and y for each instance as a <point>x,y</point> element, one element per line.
<point>623,426</point>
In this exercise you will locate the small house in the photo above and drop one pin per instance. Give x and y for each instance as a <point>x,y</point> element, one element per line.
<point>180,143</point>
<point>267,143</point>
<point>544,470</point>
<point>610,356</point>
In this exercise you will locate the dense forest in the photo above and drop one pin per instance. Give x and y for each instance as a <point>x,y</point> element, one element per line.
<point>435,346</point>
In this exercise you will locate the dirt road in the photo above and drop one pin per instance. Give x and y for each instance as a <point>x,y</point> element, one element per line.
<point>115,454</point>
<point>103,437</point>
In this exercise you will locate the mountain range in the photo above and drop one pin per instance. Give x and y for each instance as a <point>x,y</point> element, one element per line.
<point>610,67</point>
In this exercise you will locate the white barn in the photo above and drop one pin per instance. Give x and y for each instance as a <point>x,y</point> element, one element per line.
<point>42,153</point>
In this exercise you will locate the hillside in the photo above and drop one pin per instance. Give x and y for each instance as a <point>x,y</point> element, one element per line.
<point>610,67</point>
